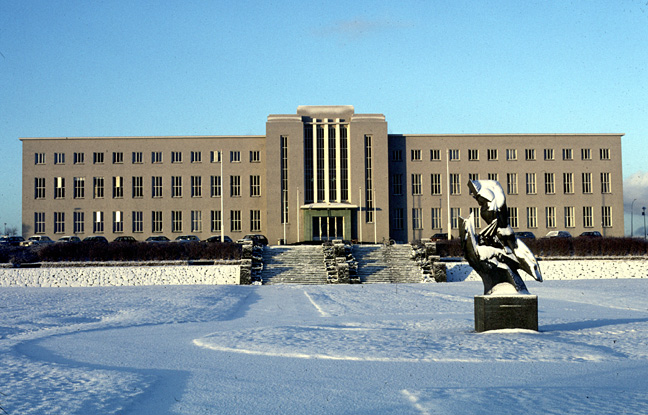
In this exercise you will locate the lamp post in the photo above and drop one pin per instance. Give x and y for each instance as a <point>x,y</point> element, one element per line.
<point>632,218</point>
<point>643,213</point>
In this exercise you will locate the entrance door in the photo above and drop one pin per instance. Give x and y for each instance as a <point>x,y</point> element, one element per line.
<point>326,228</point>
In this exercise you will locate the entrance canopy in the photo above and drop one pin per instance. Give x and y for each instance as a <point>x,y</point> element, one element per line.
<point>327,221</point>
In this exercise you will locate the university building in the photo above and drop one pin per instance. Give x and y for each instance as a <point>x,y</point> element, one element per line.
<point>325,172</point>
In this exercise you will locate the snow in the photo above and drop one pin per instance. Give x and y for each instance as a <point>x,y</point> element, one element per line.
<point>381,348</point>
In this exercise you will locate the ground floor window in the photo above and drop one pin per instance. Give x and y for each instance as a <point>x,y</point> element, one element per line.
<point>39,222</point>
<point>235,220</point>
<point>98,222</point>
<point>255,220</point>
<point>176,221</point>
<point>196,221</point>
<point>79,222</point>
<point>215,220</point>
<point>138,222</point>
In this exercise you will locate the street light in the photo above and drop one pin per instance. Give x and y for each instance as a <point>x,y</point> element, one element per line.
<point>632,218</point>
<point>643,213</point>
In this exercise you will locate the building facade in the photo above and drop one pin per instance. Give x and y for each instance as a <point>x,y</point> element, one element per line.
<point>322,173</point>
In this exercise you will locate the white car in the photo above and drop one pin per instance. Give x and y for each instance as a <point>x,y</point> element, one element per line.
<point>37,240</point>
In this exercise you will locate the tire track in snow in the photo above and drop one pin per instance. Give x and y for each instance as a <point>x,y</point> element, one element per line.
<point>317,307</point>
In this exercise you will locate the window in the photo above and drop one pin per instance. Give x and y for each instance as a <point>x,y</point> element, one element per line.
<point>588,217</point>
<point>98,187</point>
<point>532,217</point>
<point>586,154</point>
<point>568,183</point>
<point>605,153</point>
<point>605,183</point>
<point>98,222</point>
<point>39,188</point>
<point>473,155</point>
<point>567,154</point>
<point>476,217</point>
<point>215,156</point>
<point>284,178</point>
<point>118,187</point>
<point>473,176</point>
<point>59,158</point>
<point>79,187</point>
<point>196,156</point>
<point>255,186</point>
<point>255,156</point>
<point>39,158</point>
<point>118,157</point>
<point>453,155</point>
<point>176,157</point>
<point>156,185</point>
<point>196,221</point>
<point>235,186</point>
<point>511,183</point>
<point>587,182</point>
<point>196,186</point>
<point>455,184</point>
<point>215,186</point>
<point>398,219</point>
<point>156,221</point>
<point>511,154</point>
<point>436,218</point>
<point>97,158</point>
<point>493,176</point>
<point>235,157</point>
<point>417,220</point>
<point>435,155</point>
<point>397,155</point>
<point>416,155</point>
<point>138,221</point>
<point>549,154</point>
<point>435,179</point>
<point>492,154</point>
<point>59,222</point>
<point>79,158</point>
<point>156,157</point>
<point>549,184</point>
<point>513,217</point>
<point>39,222</point>
<point>417,188</point>
<point>531,183</point>
<point>606,216</point>
<point>569,217</point>
<point>138,187</point>
<point>455,213</point>
<point>235,220</point>
<point>550,216</point>
<point>176,221</point>
<point>255,220</point>
<point>59,187</point>
<point>530,154</point>
<point>397,184</point>
<point>78,222</point>
<point>118,222</point>
<point>138,157</point>
<point>215,221</point>
<point>176,186</point>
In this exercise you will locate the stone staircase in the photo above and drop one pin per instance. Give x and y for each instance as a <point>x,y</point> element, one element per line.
<point>302,264</point>
<point>386,264</point>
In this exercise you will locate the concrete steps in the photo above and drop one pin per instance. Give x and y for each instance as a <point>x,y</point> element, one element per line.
<point>302,264</point>
<point>386,264</point>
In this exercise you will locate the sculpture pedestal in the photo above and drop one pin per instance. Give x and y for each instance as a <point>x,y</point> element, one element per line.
<point>494,312</point>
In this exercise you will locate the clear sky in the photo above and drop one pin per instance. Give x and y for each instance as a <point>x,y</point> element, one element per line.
<point>121,68</point>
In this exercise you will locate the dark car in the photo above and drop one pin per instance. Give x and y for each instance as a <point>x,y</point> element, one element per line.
<point>127,239</point>
<point>14,240</point>
<point>558,234</point>
<point>157,239</point>
<point>68,239</point>
<point>187,238</point>
<point>217,238</point>
<point>524,235</point>
<point>439,237</point>
<point>96,239</point>
<point>256,239</point>
<point>591,234</point>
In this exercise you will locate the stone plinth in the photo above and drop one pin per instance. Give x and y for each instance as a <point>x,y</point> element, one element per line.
<point>494,312</point>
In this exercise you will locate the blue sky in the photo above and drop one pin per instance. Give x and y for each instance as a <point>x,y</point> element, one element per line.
<point>120,68</point>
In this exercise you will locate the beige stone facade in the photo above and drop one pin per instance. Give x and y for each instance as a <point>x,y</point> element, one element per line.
<point>324,172</point>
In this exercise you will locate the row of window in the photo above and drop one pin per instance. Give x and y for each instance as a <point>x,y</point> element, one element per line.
<point>587,217</point>
<point>492,154</point>
<point>157,221</point>
<point>137,186</point>
<point>568,186</point>
<point>156,157</point>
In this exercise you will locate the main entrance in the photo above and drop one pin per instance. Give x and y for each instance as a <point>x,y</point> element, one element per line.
<point>328,221</point>
<point>326,228</point>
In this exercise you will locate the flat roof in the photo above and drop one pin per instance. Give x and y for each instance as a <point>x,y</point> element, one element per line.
<point>153,137</point>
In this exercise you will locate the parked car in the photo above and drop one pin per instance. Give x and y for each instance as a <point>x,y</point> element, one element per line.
<point>13,240</point>
<point>37,240</point>
<point>157,239</point>
<point>439,237</point>
<point>558,234</point>
<point>524,235</point>
<point>187,238</point>
<point>96,239</point>
<point>591,234</point>
<point>127,239</point>
<point>69,239</point>
<point>256,239</point>
<point>217,238</point>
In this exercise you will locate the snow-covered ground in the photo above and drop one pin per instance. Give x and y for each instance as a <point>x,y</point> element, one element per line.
<point>355,349</point>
